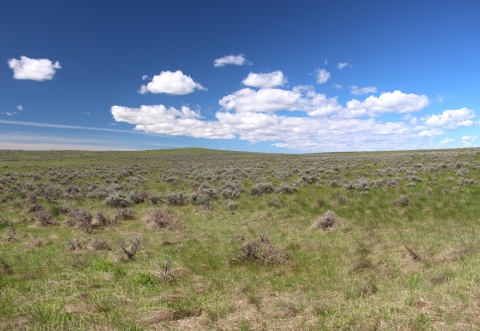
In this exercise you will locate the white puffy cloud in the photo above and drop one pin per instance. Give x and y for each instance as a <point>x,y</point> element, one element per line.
<point>322,76</point>
<point>320,105</point>
<point>19,107</point>
<point>33,69</point>
<point>342,65</point>
<point>338,86</point>
<point>263,100</point>
<point>445,142</point>
<point>389,102</point>
<point>469,141</point>
<point>364,90</point>
<point>301,98</point>
<point>304,98</point>
<point>431,133</point>
<point>452,119</point>
<point>231,59</point>
<point>324,125</point>
<point>304,133</point>
<point>168,82</point>
<point>266,80</point>
<point>144,77</point>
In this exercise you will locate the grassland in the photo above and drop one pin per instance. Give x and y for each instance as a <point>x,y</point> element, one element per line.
<point>216,240</point>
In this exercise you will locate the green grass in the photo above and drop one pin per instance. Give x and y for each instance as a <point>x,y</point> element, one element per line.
<point>357,275</point>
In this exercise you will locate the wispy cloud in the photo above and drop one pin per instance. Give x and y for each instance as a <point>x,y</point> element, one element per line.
<point>61,126</point>
<point>27,141</point>
<point>362,90</point>
<point>46,142</point>
<point>19,107</point>
<point>342,65</point>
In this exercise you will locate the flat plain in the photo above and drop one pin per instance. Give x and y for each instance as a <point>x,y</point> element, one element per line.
<point>195,239</point>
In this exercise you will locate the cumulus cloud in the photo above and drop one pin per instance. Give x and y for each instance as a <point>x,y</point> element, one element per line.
<point>238,60</point>
<point>469,141</point>
<point>322,76</point>
<point>263,100</point>
<point>266,80</point>
<point>452,119</point>
<point>445,142</point>
<point>307,133</point>
<point>19,107</point>
<point>301,98</point>
<point>304,98</point>
<point>389,102</point>
<point>175,83</point>
<point>431,133</point>
<point>342,65</point>
<point>319,123</point>
<point>33,69</point>
<point>364,90</point>
<point>144,77</point>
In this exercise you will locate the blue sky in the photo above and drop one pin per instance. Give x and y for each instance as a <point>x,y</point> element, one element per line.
<point>271,76</point>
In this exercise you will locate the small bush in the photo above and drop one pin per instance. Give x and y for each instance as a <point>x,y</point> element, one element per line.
<point>161,219</point>
<point>261,188</point>
<point>45,217</point>
<point>176,199</point>
<point>207,190</point>
<point>117,200</point>
<point>137,197</point>
<point>101,244</point>
<point>156,198</point>
<point>262,252</point>
<point>102,219</point>
<point>232,190</point>
<point>80,218</point>
<point>334,183</point>
<point>132,250</point>
<point>199,200</point>
<point>285,188</point>
<point>328,220</point>
<point>123,214</point>
<point>404,201</point>
<point>35,208</point>
<point>232,205</point>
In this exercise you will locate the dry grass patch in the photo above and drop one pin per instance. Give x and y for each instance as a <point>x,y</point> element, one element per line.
<point>155,317</point>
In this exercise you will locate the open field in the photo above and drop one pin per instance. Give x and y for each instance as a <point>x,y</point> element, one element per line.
<point>195,239</point>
